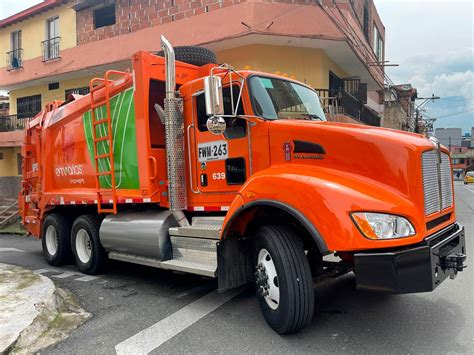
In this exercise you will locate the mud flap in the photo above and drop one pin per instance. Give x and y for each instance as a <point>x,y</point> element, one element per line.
<point>234,263</point>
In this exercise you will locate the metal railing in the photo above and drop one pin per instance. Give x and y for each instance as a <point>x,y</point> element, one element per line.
<point>14,59</point>
<point>340,102</point>
<point>51,49</point>
<point>14,122</point>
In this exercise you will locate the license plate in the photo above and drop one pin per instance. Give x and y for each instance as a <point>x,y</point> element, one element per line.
<point>212,151</point>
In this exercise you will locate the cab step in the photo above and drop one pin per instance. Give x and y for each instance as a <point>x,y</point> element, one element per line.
<point>191,255</point>
<point>202,227</point>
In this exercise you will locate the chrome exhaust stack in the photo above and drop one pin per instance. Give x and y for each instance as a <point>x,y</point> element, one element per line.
<point>174,134</point>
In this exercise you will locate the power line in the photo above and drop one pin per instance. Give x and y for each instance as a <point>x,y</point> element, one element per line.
<point>454,114</point>
<point>458,100</point>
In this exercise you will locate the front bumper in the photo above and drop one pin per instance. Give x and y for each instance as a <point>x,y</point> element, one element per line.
<point>419,268</point>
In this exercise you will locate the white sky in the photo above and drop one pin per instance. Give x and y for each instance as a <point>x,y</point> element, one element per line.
<point>433,43</point>
<point>11,7</point>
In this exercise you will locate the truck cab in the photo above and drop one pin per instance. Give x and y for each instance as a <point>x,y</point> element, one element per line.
<point>237,175</point>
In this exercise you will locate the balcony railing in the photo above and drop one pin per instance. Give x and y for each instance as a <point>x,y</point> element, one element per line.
<point>14,122</point>
<point>51,49</point>
<point>340,102</point>
<point>14,59</point>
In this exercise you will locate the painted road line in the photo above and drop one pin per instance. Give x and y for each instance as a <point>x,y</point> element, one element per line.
<point>468,189</point>
<point>61,274</point>
<point>87,278</point>
<point>12,249</point>
<point>193,290</point>
<point>154,336</point>
<point>65,274</point>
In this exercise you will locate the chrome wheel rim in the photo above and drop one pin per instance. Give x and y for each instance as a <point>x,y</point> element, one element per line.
<point>267,279</point>
<point>83,246</point>
<point>51,240</point>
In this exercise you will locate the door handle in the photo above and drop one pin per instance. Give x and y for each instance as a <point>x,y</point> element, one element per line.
<point>155,167</point>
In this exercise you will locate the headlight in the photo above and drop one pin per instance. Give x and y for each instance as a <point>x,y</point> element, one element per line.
<point>382,226</point>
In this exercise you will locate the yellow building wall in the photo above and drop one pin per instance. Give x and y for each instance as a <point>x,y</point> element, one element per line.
<point>46,94</point>
<point>34,32</point>
<point>9,163</point>
<point>308,65</point>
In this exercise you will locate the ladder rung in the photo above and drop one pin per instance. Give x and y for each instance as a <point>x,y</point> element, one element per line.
<point>102,173</point>
<point>104,120</point>
<point>102,156</point>
<point>101,139</point>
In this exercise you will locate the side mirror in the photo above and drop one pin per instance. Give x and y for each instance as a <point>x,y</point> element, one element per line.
<point>216,125</point>
<point>213,96</point>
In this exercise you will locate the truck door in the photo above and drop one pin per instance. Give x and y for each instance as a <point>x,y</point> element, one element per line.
<point>221,162</point>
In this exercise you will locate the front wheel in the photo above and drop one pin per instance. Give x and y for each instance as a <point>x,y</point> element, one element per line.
<point>283,279</point>
<point>88,252</point>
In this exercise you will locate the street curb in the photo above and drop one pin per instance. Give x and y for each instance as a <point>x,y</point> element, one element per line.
<point>34,313</point>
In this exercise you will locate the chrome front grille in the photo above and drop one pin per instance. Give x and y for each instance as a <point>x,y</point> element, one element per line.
<point>446,182</point>
<point>437,182</point>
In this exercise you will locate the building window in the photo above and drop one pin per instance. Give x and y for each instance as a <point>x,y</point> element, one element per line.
<point>28,106</point>
<point>104,16</point>
<point>366,21</point>
<point>19,161</point>
<point>51,44</point>
<point>378,44</point>
<point>53,86</point>
<point>14,60</point>
<point>77,91</point>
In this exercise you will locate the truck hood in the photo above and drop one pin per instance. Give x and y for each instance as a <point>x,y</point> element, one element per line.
<point>386,157</point>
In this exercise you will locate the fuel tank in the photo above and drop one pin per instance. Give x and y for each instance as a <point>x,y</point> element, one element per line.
<point>140,233</point>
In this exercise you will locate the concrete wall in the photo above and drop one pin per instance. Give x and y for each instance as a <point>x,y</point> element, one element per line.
<point>9,161</point>
<point>9,177</point>
<point>46,94</point>
<point>307,65</point>
<point>34,32</point>
<point>10,186</point>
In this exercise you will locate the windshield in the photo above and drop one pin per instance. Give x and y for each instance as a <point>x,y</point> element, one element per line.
<point>278,98</point>
<point>470,173</point>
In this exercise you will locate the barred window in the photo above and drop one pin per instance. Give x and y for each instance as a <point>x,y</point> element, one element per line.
<point>78,91</point>
<point>28,106</point>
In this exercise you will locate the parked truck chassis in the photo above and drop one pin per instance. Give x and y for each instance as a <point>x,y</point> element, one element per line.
<point>234,175</point>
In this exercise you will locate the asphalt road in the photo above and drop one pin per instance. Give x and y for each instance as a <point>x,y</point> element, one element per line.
<point>173,313</point>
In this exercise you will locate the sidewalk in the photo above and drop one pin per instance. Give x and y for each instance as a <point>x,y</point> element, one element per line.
<point>34,313</point>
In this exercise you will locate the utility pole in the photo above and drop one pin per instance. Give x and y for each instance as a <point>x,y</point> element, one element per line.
<point>420,107</point>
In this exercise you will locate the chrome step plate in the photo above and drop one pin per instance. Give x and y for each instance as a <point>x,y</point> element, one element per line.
<point>207,231</point>
<point>191,255</point>
<point>194,255</point>
<point>214,221</point>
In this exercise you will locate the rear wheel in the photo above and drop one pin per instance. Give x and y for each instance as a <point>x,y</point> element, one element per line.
<point>56,241</point>
<point>283,279</point>
<point>88,252</point>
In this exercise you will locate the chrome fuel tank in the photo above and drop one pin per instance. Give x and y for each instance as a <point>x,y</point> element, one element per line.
<point>142,233</point>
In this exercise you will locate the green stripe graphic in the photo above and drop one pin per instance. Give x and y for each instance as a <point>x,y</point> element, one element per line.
<point>122,109</point>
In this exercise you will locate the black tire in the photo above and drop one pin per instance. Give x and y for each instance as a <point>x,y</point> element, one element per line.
<point>193,55</point>
<point>296,293</point>
<point>97,259</point>
<point>60,225</point>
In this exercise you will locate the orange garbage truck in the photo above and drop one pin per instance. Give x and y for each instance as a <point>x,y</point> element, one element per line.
<point>190,166</point>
